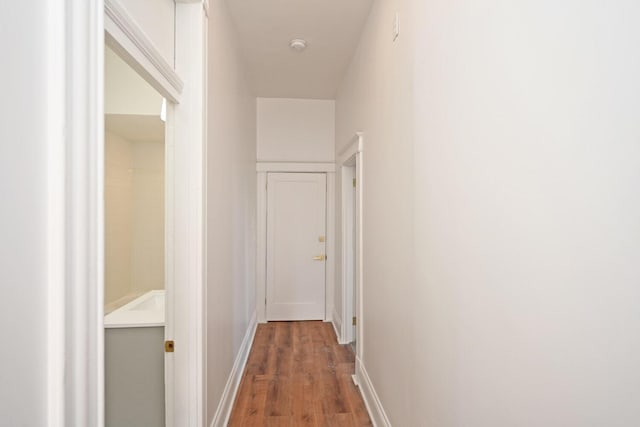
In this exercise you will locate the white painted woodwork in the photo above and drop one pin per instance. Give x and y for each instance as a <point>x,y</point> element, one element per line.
<point>183,207</point>
<point>348,295</point>
<point>348,249</point>
<point>296,224</point>
<point>51,247</point>
<point>295,167</point>
<point>186,405</point>
<point>125,36</point>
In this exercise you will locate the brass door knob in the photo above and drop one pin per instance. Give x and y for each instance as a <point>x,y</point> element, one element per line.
<point>320,258</point>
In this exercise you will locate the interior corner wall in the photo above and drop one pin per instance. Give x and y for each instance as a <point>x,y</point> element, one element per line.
<point>295,130</point>
<point>230,201</point>
<point>501,211</point>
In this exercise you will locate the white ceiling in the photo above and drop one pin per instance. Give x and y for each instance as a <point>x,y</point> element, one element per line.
<point>265,28</point>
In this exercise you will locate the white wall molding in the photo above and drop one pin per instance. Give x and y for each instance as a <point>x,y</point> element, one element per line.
<point>371,400</point>
<point>189,171</point>
<point>75,288</point>
<point>336,321</point>
<point>127,39</point>
<point>223,412</point>
<point>348,245</point>
<point>294,167</point>
<point>356,146</point>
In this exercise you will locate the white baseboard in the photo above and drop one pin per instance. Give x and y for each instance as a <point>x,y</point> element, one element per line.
<point>337,326</point>
<point>221,418</point>
<point>372,402</point>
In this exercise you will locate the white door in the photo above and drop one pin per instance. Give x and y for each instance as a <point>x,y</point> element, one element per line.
<point>296,224</point>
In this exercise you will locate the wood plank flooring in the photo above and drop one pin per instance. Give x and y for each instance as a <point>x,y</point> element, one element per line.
<point>298,375</point>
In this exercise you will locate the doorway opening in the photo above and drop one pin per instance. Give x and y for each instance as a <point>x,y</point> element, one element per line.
<point>135,258</point>
<point>351,174</point>
<point>349,208</point>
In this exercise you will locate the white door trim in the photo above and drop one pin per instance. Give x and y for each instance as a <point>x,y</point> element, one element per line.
<point>348,279</point>
<point>128,40</point>
<point>75,99</point>
<point>295,167</point>
<point>189,333</point>
<point>262,169</point>
<point>355,149</point>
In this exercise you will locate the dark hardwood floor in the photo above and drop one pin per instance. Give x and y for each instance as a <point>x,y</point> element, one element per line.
<point>297,375</point>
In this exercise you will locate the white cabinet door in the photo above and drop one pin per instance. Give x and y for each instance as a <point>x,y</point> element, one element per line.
<point>296,224</point>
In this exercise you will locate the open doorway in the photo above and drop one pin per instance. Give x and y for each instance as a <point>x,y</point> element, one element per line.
<point>349,208</point>
<point>350,162</point>
<point>134,230</point>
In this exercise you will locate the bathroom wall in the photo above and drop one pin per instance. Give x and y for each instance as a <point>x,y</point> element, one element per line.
<point>134,218</point>
<point>147,245</point>
<point>118,216</point>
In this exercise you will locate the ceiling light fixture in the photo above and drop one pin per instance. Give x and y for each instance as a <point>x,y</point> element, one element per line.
<point>298,45</point>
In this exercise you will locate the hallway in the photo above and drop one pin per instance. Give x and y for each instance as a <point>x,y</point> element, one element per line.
<point>297,375</point>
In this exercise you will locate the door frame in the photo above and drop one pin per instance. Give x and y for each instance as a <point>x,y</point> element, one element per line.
<point>76,191</point>
<point>262,169</point>
<point>350,156</point>
<point>128,41</point>
<point>349,227</point>
<point>185,172</point>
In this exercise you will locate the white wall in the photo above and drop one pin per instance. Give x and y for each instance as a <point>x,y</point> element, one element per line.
<point>118,217</point>
<point>125,92</point>
<point>231,204</point>
<point>134,218</point>
<point>296,130</point>
<point>501,211</point>
<point>157,20</point>
<point>24,140</point>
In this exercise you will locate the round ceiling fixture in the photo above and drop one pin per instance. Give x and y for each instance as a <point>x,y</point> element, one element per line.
<point>298,44</point>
